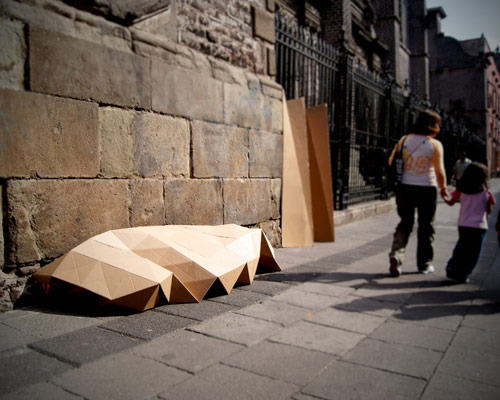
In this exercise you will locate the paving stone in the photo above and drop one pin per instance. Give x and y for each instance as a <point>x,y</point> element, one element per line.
<point>355,322</point>
<point>45,325</point>
<point>275,311</point>
<point>282,362</point>
<point>85,345</point>
<point>449,387</point>
<point>473,354</point>
<point>237,328</point>
<point>198,311</point>
<point>188,351</point>
<point>311,301</point>
<point>22,367</point>
<point>42,390</point>
<point>265,287</point>
<point>367,305</point>
<point>317,337</point>
<point>238,298</point>
<point>413,335</point>
<point>148,325</point>
<point>416,362</point>
<point>380,292</point>
<point>13,337</point>
<point>349,381</point>
<point>443,317</point>
<point>223,382</point>
<point>483,315</point>
<point>117,377</point>
<point>325,288</point>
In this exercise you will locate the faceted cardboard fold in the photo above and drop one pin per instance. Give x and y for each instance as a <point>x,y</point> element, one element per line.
<point>137,267</point>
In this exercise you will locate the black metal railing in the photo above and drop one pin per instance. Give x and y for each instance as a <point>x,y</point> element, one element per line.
<point>367,113</point>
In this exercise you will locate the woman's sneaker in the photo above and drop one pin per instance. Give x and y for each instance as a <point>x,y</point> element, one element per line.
<point>429,269</point>
<point>395,267</point>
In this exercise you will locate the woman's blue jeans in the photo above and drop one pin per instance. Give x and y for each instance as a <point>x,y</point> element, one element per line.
<point>423,200</point>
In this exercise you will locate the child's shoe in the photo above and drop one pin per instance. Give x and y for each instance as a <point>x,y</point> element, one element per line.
<point>395,267</point>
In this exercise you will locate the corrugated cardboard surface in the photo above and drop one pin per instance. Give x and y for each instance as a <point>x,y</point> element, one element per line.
<point>297,216</point>
<point>321,173</point>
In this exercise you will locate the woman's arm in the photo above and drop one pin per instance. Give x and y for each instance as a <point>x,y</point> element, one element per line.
<point>438,162</point>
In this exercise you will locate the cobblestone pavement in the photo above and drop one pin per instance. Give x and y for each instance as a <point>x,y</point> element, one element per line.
<point>332,325</point>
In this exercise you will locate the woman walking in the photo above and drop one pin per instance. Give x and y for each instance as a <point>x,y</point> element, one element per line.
<point>423,174</point>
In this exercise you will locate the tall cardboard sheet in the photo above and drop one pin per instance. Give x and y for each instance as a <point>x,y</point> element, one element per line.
<point>297,217</point>
<point>321,173</point>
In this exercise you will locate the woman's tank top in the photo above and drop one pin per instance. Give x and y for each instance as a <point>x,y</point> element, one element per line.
<point>418,151</point>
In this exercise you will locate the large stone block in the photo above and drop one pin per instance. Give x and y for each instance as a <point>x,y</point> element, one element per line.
<point>194,202</point>
<point>219,151</point>
<point>162,145</point>
<point>46,218</point>
<point>181,92</point>
<point>47,136</point>
<point>146,202</point>
<point>117,142</point>
<point>263,24</point>
<point>62,18</point>
<point>13,54</point>
<point>251,109</point>
<point>77,68</point>
<point>247,201</point>
<point>266,154</point>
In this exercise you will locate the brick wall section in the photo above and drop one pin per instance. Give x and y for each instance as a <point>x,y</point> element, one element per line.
<point>104,127</point>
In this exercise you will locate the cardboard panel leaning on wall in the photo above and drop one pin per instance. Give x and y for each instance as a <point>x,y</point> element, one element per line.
<point>48,136</point>
<point>297,219</point>
<point>321,173</point>
<point>97,72</point>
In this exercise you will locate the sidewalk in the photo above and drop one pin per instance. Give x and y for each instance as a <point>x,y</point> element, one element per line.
<point>331,325</point>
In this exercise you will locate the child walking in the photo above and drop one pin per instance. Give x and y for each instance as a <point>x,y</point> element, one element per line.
<point>476,202</point>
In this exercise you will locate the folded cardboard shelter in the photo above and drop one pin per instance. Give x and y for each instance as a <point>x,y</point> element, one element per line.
<point>139,267</point>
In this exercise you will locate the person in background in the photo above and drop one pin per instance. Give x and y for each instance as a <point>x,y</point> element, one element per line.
<point>476,202</point>
<point>459,167</point>
<point>423,173</point>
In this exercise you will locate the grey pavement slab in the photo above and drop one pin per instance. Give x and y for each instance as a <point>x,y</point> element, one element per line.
<point>188,351</point>
<point>384,292</point>
<point>198,311</point>
<point>311,301</point>
<point>407,360</point>
<point>447,316</point>
<point>239,298</point>
<point>347,320</point>
<point>275,311</point>
<point>282,362</point>
<point>346,381</point>
<point>237,328</point>
<point>265,287</point>
<point>23,367</point>
<point>41,391</point>
<point>148,325</point>
<point>474,354</point>
<point>11,337</point>
<point>317,337</point>
<point>413,335</point>
<point>367,305</point>
<point>121,376</point>
<point>85,345</point>
<point>449,387</point>
<point>49,324</point>
<point>483,315</point>
<point>325,288</point>
<point>224,382</point>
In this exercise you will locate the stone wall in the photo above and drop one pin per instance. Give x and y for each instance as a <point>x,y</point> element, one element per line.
<point>112,119</point>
